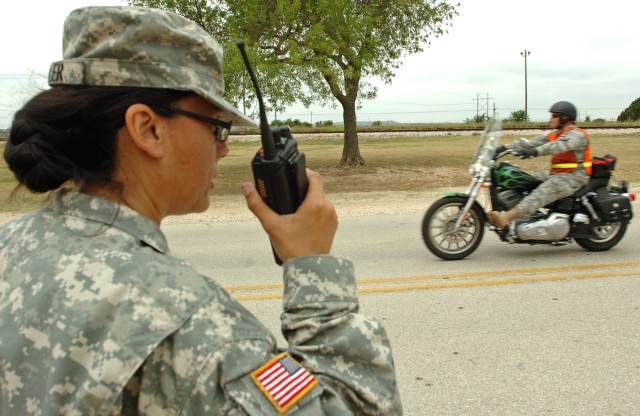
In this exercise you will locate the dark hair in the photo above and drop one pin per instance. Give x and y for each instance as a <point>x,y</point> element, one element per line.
<point>68,133</point>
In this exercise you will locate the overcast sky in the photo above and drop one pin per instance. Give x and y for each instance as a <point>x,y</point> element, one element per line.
<point>584,52</point>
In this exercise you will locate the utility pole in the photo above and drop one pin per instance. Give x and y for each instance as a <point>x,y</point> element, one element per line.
<point>480,107</point>
<point>526,113</point>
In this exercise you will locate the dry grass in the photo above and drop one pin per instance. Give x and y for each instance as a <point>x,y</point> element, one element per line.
<point>418,163</point>
<point>414,164</point>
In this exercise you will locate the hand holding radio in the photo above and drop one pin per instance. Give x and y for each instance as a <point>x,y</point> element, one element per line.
<point>310,230</point>
<point>281,181</point>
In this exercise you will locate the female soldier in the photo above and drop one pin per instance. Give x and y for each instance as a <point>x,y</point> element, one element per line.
<point>96,315</point>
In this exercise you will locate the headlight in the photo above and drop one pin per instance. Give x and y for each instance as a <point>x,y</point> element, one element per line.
<point>475,169</point>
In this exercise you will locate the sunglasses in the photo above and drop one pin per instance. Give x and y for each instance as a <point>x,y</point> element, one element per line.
<point>221,128</point>
<point>556,115</point>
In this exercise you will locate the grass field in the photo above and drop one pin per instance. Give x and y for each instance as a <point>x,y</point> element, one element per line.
<point>392,164</point>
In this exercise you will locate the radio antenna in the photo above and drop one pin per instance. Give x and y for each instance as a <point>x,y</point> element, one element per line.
<point>268,144</point>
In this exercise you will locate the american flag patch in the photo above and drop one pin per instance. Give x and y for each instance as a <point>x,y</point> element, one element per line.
<point>283,381</point>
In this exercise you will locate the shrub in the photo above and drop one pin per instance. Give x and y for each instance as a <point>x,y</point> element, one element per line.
<point>631,113</point>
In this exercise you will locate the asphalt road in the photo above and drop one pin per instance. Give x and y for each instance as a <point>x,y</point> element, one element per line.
<point>511,330</point>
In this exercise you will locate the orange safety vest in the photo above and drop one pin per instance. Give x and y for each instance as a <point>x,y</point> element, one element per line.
<point>566,162</point>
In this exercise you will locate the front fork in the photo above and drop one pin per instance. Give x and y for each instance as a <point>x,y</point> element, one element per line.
<point>472,192</point>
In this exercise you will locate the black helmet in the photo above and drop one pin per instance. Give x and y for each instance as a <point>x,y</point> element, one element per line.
<point>565,107</point>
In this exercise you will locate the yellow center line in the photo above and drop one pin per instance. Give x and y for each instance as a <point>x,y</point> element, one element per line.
<point>453,276</point>
<point>508,281</point>
<point>498,272</point>
<point>515,280</point>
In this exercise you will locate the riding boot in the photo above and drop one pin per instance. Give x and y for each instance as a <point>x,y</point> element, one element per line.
<point>502,219</point>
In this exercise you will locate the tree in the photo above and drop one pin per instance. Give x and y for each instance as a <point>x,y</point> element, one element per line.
<point>480,118</point>
<point>631,113</point>
<point>519,116</point>
<point>318,51</point>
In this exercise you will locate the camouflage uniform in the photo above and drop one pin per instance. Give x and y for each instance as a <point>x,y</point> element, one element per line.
<point>98,318</point>
<point>559,185</point>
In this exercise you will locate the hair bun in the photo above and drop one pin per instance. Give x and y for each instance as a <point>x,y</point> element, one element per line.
<point>34,161</point>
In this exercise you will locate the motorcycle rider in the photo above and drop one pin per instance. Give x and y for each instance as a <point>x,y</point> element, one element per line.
<point>570,164</point>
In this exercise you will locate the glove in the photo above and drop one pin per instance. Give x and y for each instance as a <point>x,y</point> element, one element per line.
<point>527,153</point>
<point>500,149</point>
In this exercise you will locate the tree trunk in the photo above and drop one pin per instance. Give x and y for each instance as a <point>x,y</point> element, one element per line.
<point>351,150</point>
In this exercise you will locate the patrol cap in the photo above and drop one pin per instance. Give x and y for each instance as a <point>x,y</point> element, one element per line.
<point>142,47</point>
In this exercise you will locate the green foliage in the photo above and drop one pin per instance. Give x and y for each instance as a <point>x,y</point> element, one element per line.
<point>631,113</point>
<point>210,17</point>
<point>324,123</point>
<point>377,123</point>
<point>330,47</point>
<point>321,51</point>
<point>480,118</point>
<point>518,116</point>
<point>291,123</point>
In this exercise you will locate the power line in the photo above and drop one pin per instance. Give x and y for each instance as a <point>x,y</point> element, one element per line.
<point>419,104</point>
<point>375,113</point>
<point>16,77</point>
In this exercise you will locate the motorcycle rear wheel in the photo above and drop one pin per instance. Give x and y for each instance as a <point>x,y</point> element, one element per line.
<point>608,236</point>
<point>438,233</point>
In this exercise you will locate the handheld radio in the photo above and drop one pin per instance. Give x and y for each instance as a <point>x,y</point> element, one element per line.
<point>278,168</point>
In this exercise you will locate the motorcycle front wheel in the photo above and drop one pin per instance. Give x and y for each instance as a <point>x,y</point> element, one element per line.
<point>440,235</point>
<point>607,236</point>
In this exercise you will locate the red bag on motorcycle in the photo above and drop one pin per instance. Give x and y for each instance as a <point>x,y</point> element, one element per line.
<point>602,167</point>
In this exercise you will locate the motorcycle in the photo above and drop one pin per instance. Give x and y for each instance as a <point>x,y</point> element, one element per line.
<point>595,217</point>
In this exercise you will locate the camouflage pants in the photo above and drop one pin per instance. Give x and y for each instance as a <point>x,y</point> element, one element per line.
<point>551,189</point>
